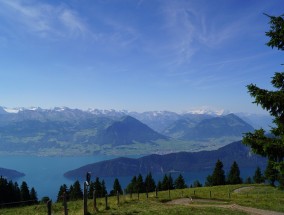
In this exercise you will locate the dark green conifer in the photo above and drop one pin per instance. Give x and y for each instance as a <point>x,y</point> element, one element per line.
<point>258,177</point>
<point>150,184</point>
<point>234,174</point>
<point>180,183</point>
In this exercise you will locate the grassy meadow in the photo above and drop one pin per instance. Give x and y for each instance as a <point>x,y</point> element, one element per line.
<point>256,196</point>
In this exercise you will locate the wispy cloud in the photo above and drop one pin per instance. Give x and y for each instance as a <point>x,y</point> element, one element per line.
<point>193,30</point>
<point>43,19</point>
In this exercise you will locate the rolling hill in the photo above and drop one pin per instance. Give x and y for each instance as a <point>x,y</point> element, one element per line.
<point>181,162</point>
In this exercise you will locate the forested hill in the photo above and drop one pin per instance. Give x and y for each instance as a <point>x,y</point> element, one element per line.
<point>182,161</point>
<point>10,174</point>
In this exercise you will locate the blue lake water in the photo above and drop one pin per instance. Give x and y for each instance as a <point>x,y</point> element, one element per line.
<point>45,174</point>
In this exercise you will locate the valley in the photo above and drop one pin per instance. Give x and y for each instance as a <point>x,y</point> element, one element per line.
<point>73,132</point>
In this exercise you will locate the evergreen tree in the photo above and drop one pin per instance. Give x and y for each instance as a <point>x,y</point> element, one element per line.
<point>179,182</point>
<point>91,190</point>
<point>140,184</point>
<point>63,189</point>
<point>10,192</point>
<point>271,174</point>
<point>234,174</point>
<point>209,181</point>
<point>17,193</point>
<point>25,193</point>
<point>116,188</point>
<point>196,183</point>
<point>131,187</point>
<point>33,195</point>
<point>159,186</point>
<point>165,183</point>
<point>258,177</point>
<point>271,146</point>
<point>103,191</point>
<point>218,176</point>
<point>150,183</point>
<point>75,191</point>
<point>171,182</point>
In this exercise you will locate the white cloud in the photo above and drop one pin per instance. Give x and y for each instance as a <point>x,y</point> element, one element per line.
<point>43,19</point>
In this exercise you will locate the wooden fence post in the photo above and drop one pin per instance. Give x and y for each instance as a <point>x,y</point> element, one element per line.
<point>210,194</point>
<point>106,202</point>
<point>169,193</point>
<point>156,193</point>
<point>117,195</point>
<point>95,200</point>
<point>85,199</point>
<point>49,207</point>
<point>65,204</point>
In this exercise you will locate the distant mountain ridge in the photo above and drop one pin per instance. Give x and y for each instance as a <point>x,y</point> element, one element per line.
<point>174,162</point>
<point>66,131</point>
<point>128,131</point>
<point>10,174</point>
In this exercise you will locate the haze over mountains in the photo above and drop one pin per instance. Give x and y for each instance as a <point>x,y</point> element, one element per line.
<point>174,162</point>
<point>65,131</point>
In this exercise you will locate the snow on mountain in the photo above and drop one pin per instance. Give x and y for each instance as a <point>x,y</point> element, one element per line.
<point>208,111</point>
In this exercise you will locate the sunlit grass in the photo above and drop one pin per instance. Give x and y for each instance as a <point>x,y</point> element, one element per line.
<point>259,196</point>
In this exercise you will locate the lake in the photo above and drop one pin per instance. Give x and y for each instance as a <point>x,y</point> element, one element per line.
<point>45,174</point>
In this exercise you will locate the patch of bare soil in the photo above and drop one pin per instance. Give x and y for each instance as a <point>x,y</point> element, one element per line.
<point>213,203</point>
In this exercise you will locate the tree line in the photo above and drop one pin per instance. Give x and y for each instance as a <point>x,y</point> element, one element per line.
<point>12,195</point>
<point>147,185</point>
<point>218,176</point>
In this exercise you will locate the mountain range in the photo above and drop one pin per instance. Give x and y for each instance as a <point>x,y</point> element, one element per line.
<point>66,131</point>
<point>173,162</point>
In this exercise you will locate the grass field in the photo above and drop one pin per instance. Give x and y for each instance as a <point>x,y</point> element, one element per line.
<point>256,196</point>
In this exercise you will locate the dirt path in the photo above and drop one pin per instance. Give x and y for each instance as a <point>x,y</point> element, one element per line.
<point>220,204</point>
<point>243,189</point>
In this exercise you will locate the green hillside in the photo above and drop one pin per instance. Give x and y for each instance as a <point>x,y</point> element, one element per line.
<point>229,199</point>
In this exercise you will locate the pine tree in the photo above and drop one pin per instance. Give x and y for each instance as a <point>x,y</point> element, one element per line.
<point>63,189</point>
<point>218,176</point>
<point>159,186</point>
<point>179,182</point>
<point>131,187</point>
<point>171,182</point>
<point>165,183</point>
<point>271,146</point>
<point>150,183</point>
<point>258,177</point>
<point>140,184</point>
<point>75,191</point>
<point>209,181</point>
<point>25,193</point>
<point>234,174</point>
<point>116,188</point>
<point>196,183</point>
<point>33,195</point>
<point>104,191</point>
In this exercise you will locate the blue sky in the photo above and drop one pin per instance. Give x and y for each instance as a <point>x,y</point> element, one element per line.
<point>136,55</point>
